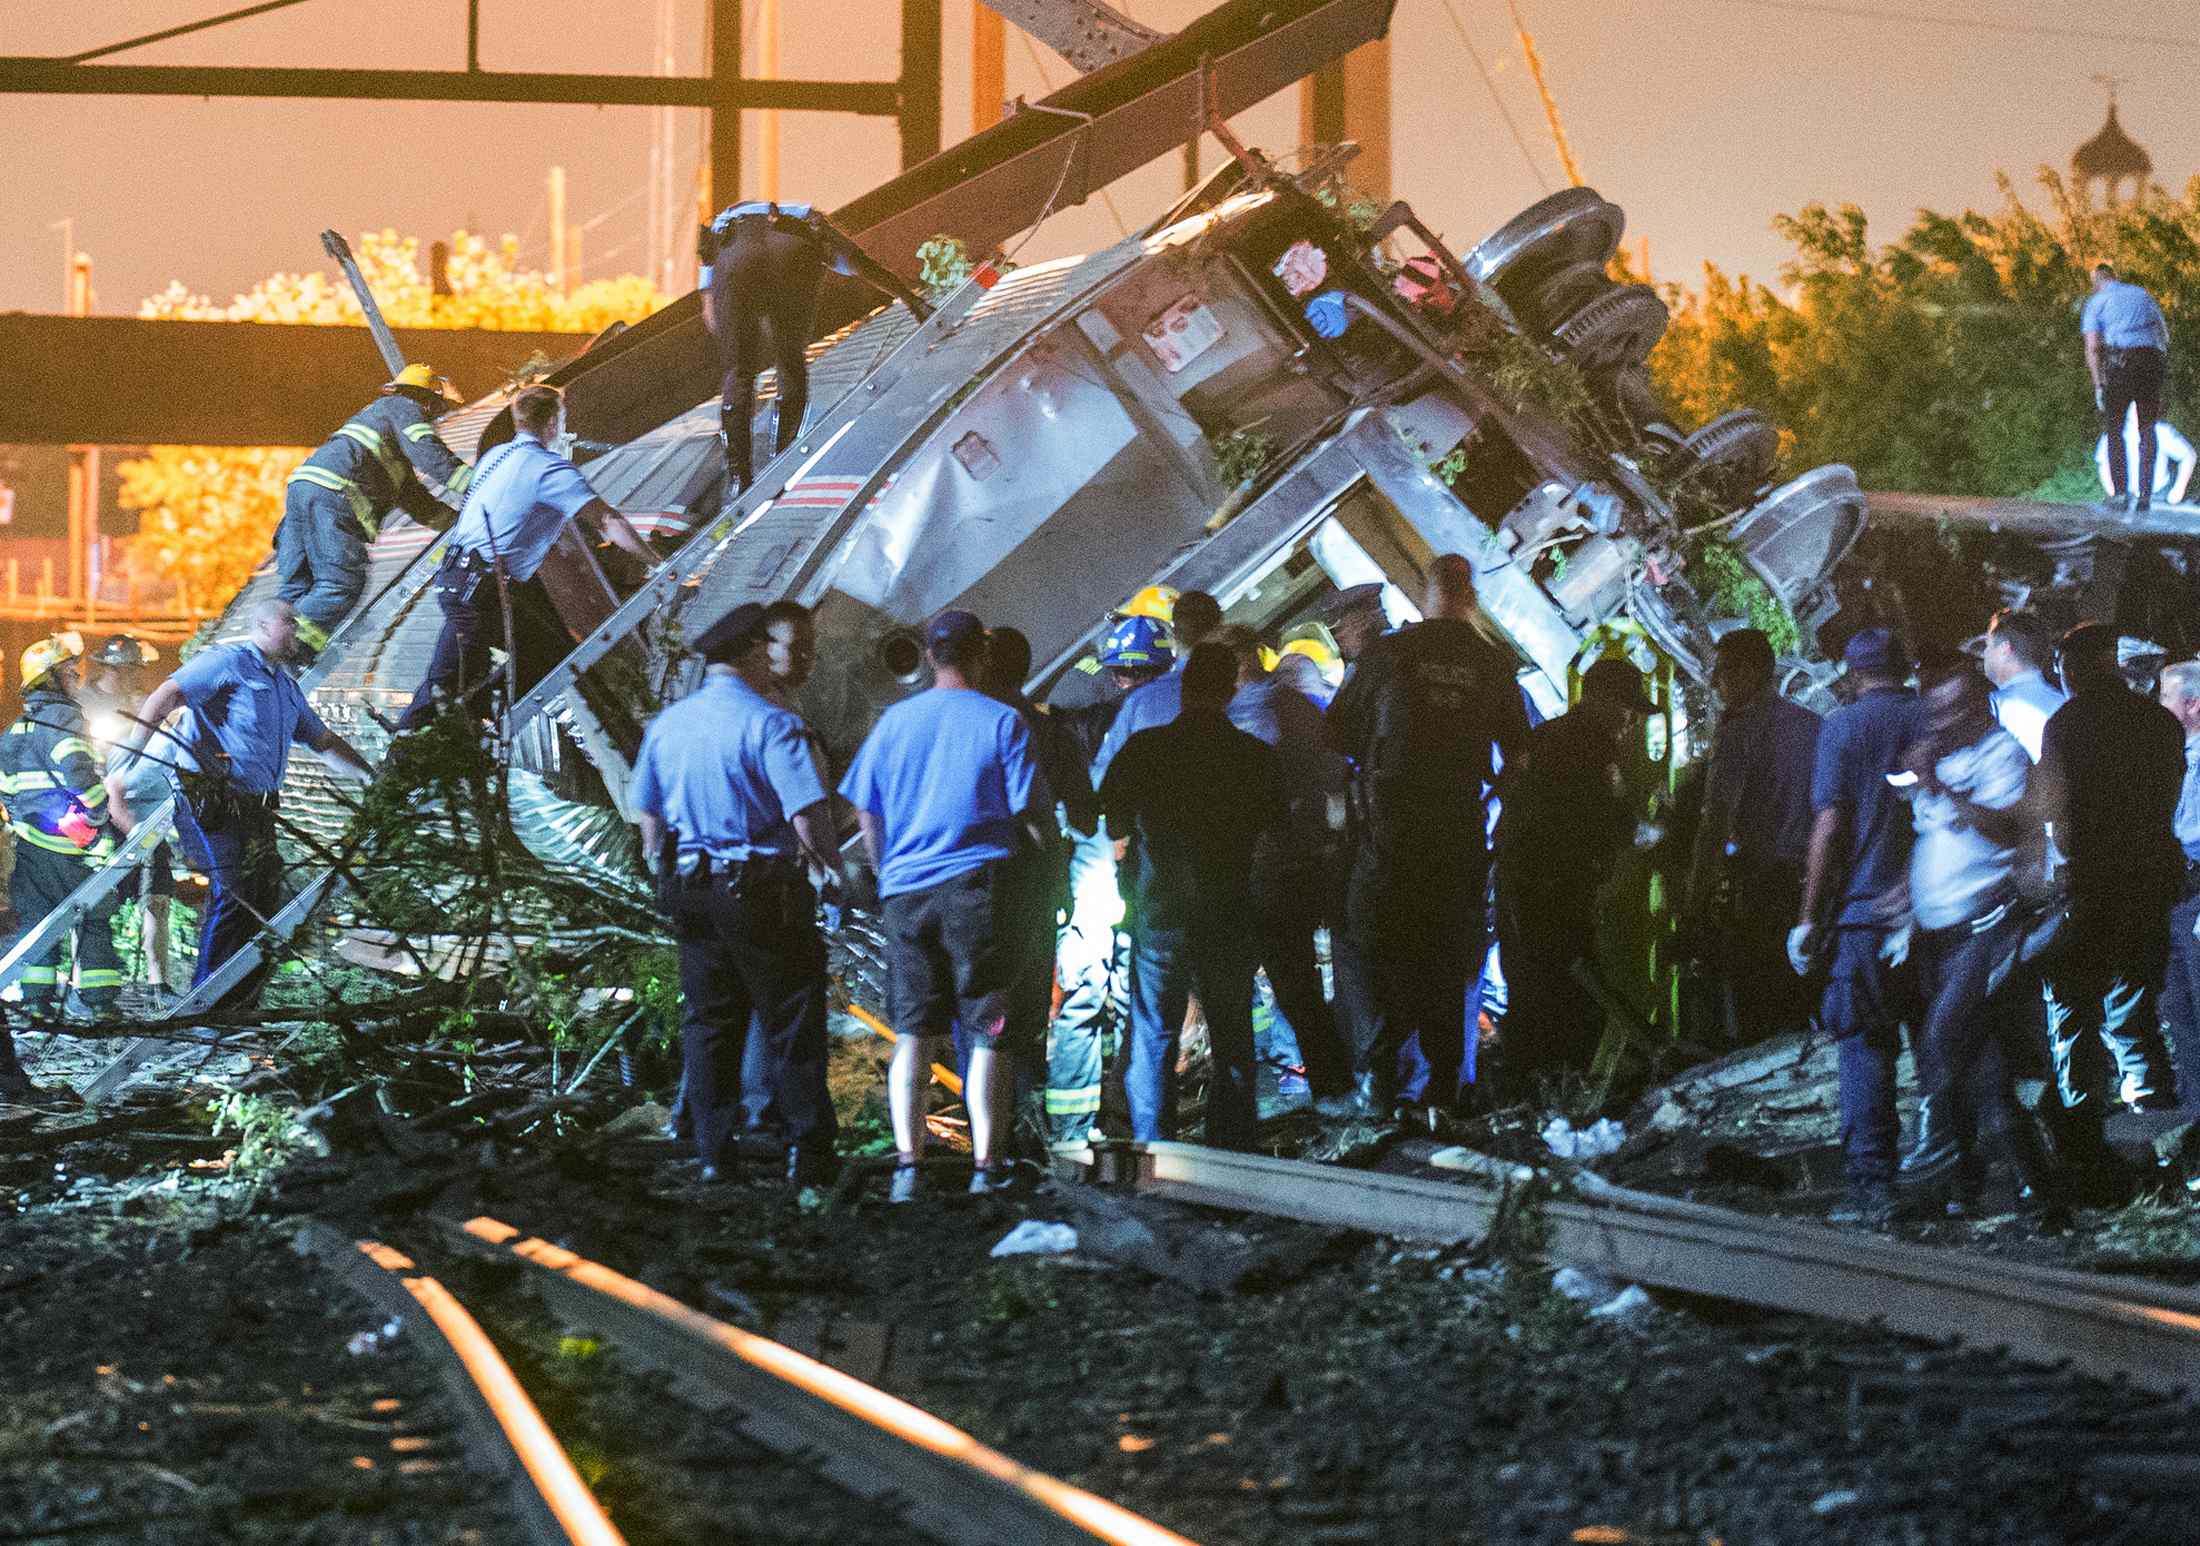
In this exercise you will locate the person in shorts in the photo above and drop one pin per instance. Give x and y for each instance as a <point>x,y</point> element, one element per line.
<point>947,792</point>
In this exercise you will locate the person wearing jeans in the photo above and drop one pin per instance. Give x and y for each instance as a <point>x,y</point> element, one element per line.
<point>1189,801</point>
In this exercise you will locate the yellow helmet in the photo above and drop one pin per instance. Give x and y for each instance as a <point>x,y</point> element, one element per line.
<point>1314,647</point>
<point>426,379</point>
<point>1155,601</point>
<point>47,653</point>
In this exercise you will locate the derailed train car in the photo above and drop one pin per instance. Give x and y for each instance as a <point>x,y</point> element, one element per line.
<point>1083,413</point>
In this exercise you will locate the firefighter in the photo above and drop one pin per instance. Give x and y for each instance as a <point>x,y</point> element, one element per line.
<point>385,457</point>
<point>111,698</point>
<point>50,776</point>
<point>761,262</point>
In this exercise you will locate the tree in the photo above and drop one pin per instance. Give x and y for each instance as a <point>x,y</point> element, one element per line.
<point>1948,361</point>
<point>208,513</point>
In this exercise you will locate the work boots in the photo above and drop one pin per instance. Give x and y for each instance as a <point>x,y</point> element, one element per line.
<point>1934,1168</point>
<point>16,1088</point>
<point>733,434</point>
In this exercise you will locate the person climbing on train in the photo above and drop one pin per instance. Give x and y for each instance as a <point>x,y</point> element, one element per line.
<point>761,262</point>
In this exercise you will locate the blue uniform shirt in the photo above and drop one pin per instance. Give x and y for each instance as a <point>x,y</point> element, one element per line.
<point>522,495</point>
<point>1757,791</point>
<point>946,774</point>
<point>726,768</point>
<point>1858,746</point>
<point>732,212</point>
<point>2125,316</point>
<point>1144,708</point>
<point>251,709</point>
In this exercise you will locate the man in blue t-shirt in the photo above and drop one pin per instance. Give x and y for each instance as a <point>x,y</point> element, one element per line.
<point>1857,866</point>
<point>946,790</point>
<point>2127,355</point>
<point>734,812</point>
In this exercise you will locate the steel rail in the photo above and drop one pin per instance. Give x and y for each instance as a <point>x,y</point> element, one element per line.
<point>935,1477</point>
<point>2149,1335</point>
<point>505,1433</point>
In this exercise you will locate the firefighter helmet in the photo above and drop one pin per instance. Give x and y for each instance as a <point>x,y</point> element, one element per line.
<point>1155,601</point>
<point>52,651</point>
<point>425,379</point>
<point>1316,646</point>
<point>1135,642</point>
<point>124,650</point>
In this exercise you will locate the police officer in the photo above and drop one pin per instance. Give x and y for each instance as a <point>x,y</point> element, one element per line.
<point>385,457</point>
<point>2127,355</point>
<point>735,818</point>
<point>50,777</point>
<point>1745,880</point>
<point>1420,716</point>
<point>1135,653</point>
<point>1566,821</point>
<point>521,497</point>
<point>245,712</point>
<point>761,263</point>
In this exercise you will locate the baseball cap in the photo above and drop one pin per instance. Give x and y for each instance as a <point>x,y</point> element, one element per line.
<point>734,632</point>
<point>952,630</point>
<point>1616,682</point>
<point>1872,649</point>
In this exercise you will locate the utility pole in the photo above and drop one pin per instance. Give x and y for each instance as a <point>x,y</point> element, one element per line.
<point>83,461</point>
<point>725,116</point>
<point>767,68</point>
<point>1350,100</point>
<point>920,81</point>
<point>988,66</point>
<point>558,231</point>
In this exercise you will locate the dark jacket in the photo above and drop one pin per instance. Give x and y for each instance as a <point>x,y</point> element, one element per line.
<point>1193,797</point>
<point>1422,709</point>
<point>48,769</point>
<point>380,455</point>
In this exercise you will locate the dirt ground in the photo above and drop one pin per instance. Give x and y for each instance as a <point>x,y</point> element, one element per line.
<point>1361,1391</point>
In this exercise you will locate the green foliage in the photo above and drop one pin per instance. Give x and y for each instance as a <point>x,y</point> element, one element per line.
<point>943,263</point>
<point>1242,455</point>
<point>1947,361</point>
<point>1730,588</point>
<point>1360,211</point>
<point>265,1130</point>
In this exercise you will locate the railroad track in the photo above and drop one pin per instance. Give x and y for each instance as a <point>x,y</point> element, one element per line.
<point>921,1472</point>
<point>2145,1334</point>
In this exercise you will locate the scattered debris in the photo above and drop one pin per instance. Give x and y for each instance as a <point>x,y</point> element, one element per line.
<point>1036,1237</point>
<point>1598,1140</point>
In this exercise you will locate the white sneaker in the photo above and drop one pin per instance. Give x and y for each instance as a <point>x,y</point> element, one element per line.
<point>905,1184</point>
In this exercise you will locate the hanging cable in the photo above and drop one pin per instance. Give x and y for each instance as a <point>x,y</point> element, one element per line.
<point>1489,82</point>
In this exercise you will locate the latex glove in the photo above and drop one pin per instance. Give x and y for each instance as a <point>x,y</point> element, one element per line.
<point>1804,941</point>
<point>1895,948</point>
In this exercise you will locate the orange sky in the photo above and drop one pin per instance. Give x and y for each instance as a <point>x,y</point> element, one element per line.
<point>1701,117</point>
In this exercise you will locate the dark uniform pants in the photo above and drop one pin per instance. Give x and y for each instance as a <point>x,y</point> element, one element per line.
<point>1763,994</point>
<point>320,555</point>
<point>750,953</point>
<point>763,294</point>
<point>244,876</point>
<point>1290,896</point>
<point>2131,377</point>
<point>1961,1066</point>
<point>1216,958</point>
<point>2181,999</point>
<point>1865,1004</point>
<point>1416,923</point>
<point>44,880</point>
<point>461,666</point>
<point>1553,1025</point>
